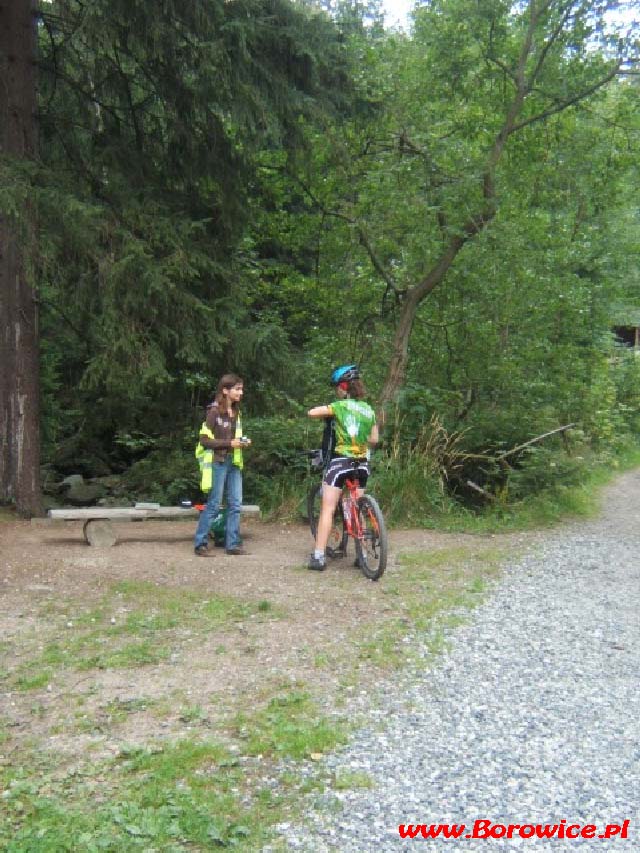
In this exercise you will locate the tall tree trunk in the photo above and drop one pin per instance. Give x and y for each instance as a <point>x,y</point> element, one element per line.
<point>19,351</point>
<point>414,296</point>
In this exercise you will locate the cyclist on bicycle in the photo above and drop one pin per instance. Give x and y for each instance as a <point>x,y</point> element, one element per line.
<point>355,432</point>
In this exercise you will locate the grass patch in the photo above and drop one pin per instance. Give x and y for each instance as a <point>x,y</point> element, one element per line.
<point>290,726</point>
<point>350,780</point>
<point>183,795</point>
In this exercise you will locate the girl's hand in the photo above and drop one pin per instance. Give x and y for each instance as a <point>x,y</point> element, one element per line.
<point>238,442</point>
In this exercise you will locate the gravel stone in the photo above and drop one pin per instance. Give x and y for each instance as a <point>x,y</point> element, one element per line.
<point>530,717</point>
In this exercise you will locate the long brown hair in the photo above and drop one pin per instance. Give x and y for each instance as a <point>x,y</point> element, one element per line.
<point>356,389</point>
<point>227,381</point>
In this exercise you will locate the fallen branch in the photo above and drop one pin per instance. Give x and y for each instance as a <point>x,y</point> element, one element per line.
<point>482,491</point>
<point>532,441</point>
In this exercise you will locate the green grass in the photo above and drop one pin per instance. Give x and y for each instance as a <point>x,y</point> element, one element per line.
<point>170,796</point>
<point>189,793</point>
<point>290,726</point>
<point>349,780</point>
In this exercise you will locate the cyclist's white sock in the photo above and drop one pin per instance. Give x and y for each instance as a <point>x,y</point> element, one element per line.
<point>319,555</point>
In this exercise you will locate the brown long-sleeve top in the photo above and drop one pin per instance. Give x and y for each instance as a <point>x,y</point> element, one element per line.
<point>223,428</point>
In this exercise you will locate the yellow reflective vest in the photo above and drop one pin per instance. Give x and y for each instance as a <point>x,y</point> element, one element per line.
<point>205,456</point>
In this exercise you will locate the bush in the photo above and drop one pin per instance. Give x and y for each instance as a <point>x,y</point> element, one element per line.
<point>165,476</point>
<point>541,468</point>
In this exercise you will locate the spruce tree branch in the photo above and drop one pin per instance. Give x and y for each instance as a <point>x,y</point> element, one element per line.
<point>83,337</point>
<point>133,110</point>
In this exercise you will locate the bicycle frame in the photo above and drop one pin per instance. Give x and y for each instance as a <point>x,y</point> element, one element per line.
<point>350,502</point>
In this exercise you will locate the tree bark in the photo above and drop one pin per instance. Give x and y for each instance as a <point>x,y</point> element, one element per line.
<point>19,350</point>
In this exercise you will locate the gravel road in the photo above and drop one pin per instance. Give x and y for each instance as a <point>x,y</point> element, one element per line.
<point>531,717</point>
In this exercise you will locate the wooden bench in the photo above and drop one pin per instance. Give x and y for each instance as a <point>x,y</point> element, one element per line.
<point>99,529</point>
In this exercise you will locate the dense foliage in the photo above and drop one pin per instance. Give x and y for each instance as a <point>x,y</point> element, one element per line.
<point>273,188</point>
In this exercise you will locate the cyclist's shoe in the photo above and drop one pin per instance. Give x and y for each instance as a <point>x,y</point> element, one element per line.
<point>316,565</point>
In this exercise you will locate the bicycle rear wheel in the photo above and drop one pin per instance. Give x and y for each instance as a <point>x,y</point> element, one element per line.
<point>371,550</point>
<point>337,544</point>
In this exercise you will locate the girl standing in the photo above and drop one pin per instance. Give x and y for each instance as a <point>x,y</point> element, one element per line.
<point>222,434</point>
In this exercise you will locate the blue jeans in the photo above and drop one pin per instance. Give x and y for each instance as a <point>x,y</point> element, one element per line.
<point>223,472</point>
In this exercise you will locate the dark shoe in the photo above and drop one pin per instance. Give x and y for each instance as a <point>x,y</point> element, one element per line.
<point>316,565</point>
<point>202,551</point>
<point>235,552</point>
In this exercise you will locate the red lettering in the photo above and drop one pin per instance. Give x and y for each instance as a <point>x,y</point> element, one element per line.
<point>431,831</point>
<point>547,831</point>
<point>453,831</point>
<point>481,828</point>
<point>408,831</point>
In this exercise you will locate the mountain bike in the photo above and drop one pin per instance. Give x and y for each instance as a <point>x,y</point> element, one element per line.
<point>358,518</point>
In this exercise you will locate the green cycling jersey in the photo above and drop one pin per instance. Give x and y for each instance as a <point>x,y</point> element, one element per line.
<point>354,420</point>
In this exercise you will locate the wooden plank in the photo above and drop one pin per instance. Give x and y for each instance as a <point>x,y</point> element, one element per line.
<point>86,513</point>
<point>130,513</point>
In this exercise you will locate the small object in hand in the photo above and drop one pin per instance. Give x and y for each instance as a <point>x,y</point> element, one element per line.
<point>245,440</point>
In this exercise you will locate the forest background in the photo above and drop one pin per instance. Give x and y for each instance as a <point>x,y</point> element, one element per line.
<point>275,188</point>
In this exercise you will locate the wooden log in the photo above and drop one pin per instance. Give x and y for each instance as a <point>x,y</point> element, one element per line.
<point>100,533</point>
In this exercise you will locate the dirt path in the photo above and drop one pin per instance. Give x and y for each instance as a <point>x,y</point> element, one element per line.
<point>53,588</point>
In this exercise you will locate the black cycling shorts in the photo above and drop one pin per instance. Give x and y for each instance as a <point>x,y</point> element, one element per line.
<point>342,467</point>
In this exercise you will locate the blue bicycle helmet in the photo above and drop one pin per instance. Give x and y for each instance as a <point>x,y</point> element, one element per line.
<point>345,373</point>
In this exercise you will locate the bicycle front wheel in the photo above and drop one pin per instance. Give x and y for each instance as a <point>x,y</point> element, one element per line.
<point>337,544</point>
<point>371,550</point>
